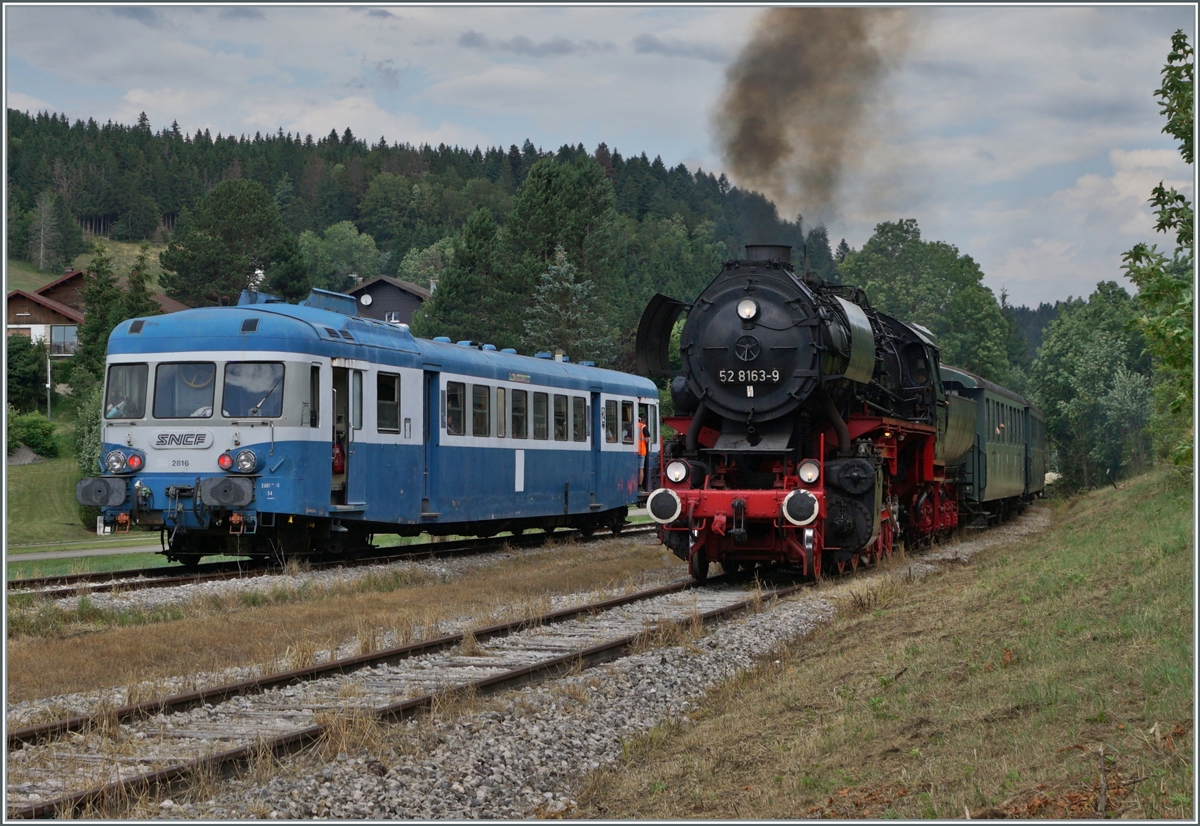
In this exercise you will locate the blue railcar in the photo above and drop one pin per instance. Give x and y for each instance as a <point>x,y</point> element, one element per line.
<point>270,429</point>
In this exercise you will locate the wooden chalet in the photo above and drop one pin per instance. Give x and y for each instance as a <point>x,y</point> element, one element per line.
<point>389,299</point>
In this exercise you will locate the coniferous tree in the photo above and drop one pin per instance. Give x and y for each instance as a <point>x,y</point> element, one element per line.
<point>104,302</point>
<point>44,234</point>
<point>566,315</point>
<point>137,300</point>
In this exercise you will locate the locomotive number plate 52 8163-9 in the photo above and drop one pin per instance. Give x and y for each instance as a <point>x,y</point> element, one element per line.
<point>743,376</point>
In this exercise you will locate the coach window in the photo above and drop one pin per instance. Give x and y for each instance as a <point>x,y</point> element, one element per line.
<point>252,389</point>
<point>356,399</point>
<point>456,397</point>
<point>520,414</point>
<point>126,394</point>
<point>578,419</point>
<point>627,422</point>
<point>314,396</point>
<point>501,410</point>
<point>610,421</point>
<point>560,418</point>
<point>387,403</point>
<point>184,390</point>
<point>541,416</point>
<point>481,410</point>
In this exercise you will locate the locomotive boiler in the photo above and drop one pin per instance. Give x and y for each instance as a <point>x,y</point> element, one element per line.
<point>813,430</point>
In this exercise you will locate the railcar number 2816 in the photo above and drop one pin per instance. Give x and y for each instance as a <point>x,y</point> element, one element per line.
<point>743,376</point>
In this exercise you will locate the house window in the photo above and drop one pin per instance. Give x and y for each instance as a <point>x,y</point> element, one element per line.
<point>393,316</point>
<point>64,340</point>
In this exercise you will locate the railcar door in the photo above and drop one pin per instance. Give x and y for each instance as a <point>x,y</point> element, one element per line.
<point>348,485</point>
<point>432,432</point>
<point>595,431</point>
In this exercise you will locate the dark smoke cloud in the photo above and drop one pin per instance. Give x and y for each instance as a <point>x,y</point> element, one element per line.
<point>796,110</point>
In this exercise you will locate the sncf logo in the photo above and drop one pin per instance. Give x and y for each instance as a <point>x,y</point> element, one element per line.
<point>165,439</point>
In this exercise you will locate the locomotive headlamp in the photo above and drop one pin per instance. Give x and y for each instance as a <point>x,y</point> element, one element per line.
<point>747,309</point>
<point>115,461</point>
<point>224,461</point>
<point>809,471</point>
<point>245,461</point>
<point>677,471</point>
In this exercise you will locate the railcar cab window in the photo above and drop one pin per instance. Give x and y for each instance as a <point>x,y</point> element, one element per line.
<point>456,402</point>
<point>253,388</point>
<point>387,403</point>
<point>578,419</point>
<point>126,394</point>
<point>627,422</point>
<point>184,390</point>
<point>481,410</point>
<point>610,422</point>
<point>520,414</point>
<point>541,416</point>
<point>560,418</point>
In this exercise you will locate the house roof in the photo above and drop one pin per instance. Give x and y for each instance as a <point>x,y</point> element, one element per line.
<point>167,305</point>
<point>70,274</point>
<point>407,286</point>
<point>51,304</point>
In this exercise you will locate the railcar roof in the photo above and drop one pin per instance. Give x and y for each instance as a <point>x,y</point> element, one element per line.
<point>973,382</point>
<point>314,331</point>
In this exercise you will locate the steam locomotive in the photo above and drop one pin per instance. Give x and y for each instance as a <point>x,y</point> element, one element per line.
<point>816,432</point>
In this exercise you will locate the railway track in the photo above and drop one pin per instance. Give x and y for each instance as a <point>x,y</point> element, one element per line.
<point>169,576</point>
<point>66,766</point>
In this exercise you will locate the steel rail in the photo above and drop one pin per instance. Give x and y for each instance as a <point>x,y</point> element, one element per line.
<point>169,576</point>
<point>293,741</point>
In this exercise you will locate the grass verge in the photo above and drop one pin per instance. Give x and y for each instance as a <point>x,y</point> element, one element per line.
<point>1049,678</point>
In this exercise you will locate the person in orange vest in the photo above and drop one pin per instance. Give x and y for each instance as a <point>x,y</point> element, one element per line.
<point>643,451</point>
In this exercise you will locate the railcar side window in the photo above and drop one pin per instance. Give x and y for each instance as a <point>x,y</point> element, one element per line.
<point>627,422</point>
<point>652,422</point>
<point>541,416</point>
<point>126,394</point>
<point>520,414</point>
<point>560,418</point>
<point>578,419</point>
<point>456,398</point>
<point>481,410</point>
<point>356,407</point>
<point>184,390</point>
<point>610,421</point>
<point>501,411</point>
<point>387,404</point>
<point>314,396</point>
<point>253,388</point>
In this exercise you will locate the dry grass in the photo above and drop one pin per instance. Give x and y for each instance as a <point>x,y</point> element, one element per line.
<point>303,624</point>
<point>1049,678</point>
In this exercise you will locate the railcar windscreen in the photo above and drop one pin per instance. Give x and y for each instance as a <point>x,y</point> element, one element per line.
<point>184,390</point>
<point>126,394</point>
<point>253,388</point>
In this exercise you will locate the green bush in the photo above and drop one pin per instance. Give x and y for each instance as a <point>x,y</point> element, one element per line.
<point>88,423</point>
<point>35,431</point>
<point>10,434</point>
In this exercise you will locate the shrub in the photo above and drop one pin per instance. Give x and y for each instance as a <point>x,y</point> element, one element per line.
<point>9,432</point>
<point>88,424</point>
<point>35,431</point>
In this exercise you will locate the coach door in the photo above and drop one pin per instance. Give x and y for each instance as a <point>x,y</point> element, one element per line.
<point>432,434</point>
<point>346,487</point>
<point>596,428</point>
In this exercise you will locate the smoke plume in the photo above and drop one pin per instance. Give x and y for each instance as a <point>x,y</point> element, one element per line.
<point>796,112</point>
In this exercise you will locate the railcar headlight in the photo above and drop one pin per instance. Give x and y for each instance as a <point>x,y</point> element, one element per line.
<point>245,461</point>
<point>115,461</point>
<point>224,461</point>
<point>677,471</point>
<point>747,309</point>
<point>135,461</point>
<point>809,471</point>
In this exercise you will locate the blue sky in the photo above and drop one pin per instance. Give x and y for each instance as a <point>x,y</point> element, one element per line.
<point>1028,137</point>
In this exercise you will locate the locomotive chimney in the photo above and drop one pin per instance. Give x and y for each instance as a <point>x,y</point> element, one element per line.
<point>769,252</point>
